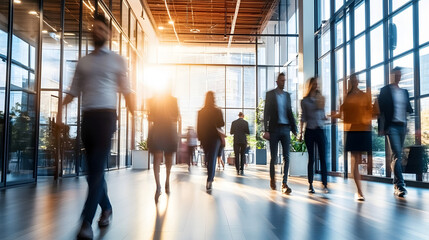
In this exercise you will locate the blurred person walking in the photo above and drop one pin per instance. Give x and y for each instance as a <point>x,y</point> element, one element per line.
<point>278,123</point>
<point>312,120</point>
<point>98,77</point>
<point>192,141</point>
<point>394,104</point>
<point>210,119</point>
<point>240,130</point>
<point>356,112</point>
<point>163,114</point>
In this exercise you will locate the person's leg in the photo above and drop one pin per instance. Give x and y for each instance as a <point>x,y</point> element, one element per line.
<point>309,142</point>
<point>242,156</point>
<point>321,144</point>
<point>168,164</point>
<point>285,141</point>
<point>97,130</point>
<point>274,140</point>
<point>157,159</point>
<point>356,159</point>
<point>237,156</point>
<point>396,138</point>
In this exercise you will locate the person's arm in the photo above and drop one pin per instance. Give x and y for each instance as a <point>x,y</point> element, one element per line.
<point>232,130</point>
<point>409,107</point>
<point>125,86</point>
<point>303,120</point>
<point>292,118</point>
<point>220,122</point>
<point>267,113</point>
<point>247,128</point>
<point>130,100</point>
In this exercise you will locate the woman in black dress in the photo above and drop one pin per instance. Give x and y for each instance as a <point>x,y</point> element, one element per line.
<point>210,119</point>
<point>163,114</point>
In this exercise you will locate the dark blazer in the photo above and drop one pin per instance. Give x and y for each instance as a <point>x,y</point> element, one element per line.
<point>209,120</point>
<point>385,103</point>
<point>239,128</point>
<point>271,115</point>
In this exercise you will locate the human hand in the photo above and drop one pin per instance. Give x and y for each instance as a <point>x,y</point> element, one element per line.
<point>266,136</point>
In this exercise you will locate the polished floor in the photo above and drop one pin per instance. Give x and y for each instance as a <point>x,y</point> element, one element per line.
<point>239,207</point>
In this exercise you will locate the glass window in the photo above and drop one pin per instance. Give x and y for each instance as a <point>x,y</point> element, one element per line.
<point>116,38</point>
<point>348,60</point>
<point>124,22</point>
<point>376,11</point>
<point>377,45</point>
<point>51,48</point>
<point>140,39</point>
<point>325,9</point>
<point>21,51</point>
<point>87,22</point>
<point>404,28</point>
<point>339,63</point>
<point>234,87</point>
<point>407,79</point>
<point>347,27</point>
<point>378,146</point>
<point>326,42</point>
<point>424,70</point>
<point>425,120</point>
<point>398,3</point>
<point>20,78</point>
<point>338,4</point>
<point>360,18</point>
<point>268,51</point>
<point>339,32</point>
<point>215,77</point>
<point>360,54</point>
<point>133,29</point>
<point>116,10</point>
<point>377,80</point>
<point>325,80</point>
<point>249,88</point>
<point>423,20</point>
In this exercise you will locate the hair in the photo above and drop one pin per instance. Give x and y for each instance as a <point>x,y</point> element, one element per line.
<point>282,74</point>
<point>240,114</point>
<point>210,99</point>
<point>396,70</point>
<point>101,18</point>
<point>353,76</point>
<point>311,82</point>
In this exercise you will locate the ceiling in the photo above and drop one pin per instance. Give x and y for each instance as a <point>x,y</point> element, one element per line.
<point>207,21</point>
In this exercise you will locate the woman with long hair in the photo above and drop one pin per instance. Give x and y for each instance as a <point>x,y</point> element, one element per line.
<point>356,112</point>
<point>312,120</point>
<point>210,119</point>
<point>163,114</point>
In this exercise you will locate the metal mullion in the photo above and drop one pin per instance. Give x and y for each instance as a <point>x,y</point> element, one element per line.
<point>386,9</point>
<point>334,128</point>
<point>78,138</point>
<point>60,89</point>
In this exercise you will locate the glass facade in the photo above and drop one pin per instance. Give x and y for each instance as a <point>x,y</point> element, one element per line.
<point>40,44</point>
<point>380,35</point>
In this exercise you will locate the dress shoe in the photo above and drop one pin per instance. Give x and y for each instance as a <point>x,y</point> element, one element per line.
<point>85,232</point>
<point>273,185</point>
<point>105,218</point>
<point>400,191</point>
<point>209,185</point>
<point>325,190</point>
<point>286,189</point>
<point>311,189</point>
<point>238,172</point>
<point>241,172</point>
<point>359,197</point>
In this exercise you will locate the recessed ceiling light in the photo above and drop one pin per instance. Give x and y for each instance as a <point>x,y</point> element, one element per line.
<point>44,31</point>
<point>195,30</point>
<point>171,22</point>
<point>17,1</point>
<point>161,28</point>
<point>32,12</point>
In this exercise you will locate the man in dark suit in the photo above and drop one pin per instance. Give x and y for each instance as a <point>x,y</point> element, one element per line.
<point>394,104</point>
<point>240,128</point>
<point>279,122</point>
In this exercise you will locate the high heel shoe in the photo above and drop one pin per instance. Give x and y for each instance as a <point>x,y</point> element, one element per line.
<point>157,194</point>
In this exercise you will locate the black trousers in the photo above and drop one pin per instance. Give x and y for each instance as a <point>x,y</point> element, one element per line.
<point>240,155</point>
<point>312,138</point>
<point>97,130</point>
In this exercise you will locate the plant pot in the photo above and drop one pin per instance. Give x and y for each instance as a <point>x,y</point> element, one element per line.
<point>261,156</point>
<point>231,161</point>
<point>298,162</point>
<point>140,159</point>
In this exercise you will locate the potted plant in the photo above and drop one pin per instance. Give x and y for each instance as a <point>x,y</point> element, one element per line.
<point>261,145</point>
<point>140,157</point>
<point>298,156</point>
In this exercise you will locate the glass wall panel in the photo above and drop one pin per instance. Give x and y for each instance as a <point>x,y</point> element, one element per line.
<point>423,20</point>
<point>338,4</point>
<point>360,18</point>
<point>116,39</point>
<point>125,12</point>
<point>215,77</point>
<point>376,11</point>
<point>398,3</point>
<point>326,42</point>
<point>268,50</point>
<point>377,45</point>
<point>424,70</point>
<point>339,64</point>
<point>133,29</point>
<point>123,133</point>
<point>234,87</point>
<point>325,9</point>
<point>249,88</point>
<point>404,26</point>
<point>378,142</point>
<point>140,39</point>
<point>360,54</point>
<point>116,10</point>
<point>88,11</point>
<point>22,131</point>
<point>51,44</point>
<point>339,33</point>
<point>325,87</point>
<point>424,103</point>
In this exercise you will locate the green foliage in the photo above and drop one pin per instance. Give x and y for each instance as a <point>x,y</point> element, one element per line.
<point>142,145</point>
<point>295,144</point>
<point>425,160</point>
<point>260,142</point>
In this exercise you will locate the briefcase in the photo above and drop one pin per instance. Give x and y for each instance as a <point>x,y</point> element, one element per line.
<point>412,160</point>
